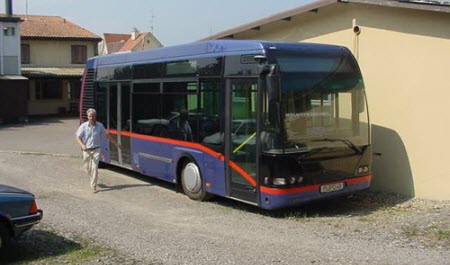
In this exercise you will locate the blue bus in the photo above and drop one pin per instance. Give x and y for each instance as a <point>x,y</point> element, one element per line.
<point>270,124</point>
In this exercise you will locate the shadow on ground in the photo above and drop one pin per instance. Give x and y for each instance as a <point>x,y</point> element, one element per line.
<point>360,204</point>
<point>37,121</point>
<point>37,244</point>
<point>150,181</point>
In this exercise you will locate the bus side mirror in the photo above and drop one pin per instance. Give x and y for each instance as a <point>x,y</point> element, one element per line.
<point>274,116</point>
<point>273,84</point>
<point>274,95</point>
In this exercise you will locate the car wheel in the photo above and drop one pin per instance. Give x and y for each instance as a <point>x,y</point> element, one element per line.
<point>192,182</point>
<point>4,237</point>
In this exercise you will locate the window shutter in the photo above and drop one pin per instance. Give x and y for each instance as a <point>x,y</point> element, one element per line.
<point>79,54</point>
<point>25,50</point>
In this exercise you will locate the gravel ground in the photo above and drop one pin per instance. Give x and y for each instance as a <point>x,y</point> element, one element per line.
<point>139,220</point>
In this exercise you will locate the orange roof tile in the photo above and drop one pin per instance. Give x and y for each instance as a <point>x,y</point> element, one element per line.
<point>53,27</point>
<point>131,44</point>
<point>114,47</point>
<point>112,37</point>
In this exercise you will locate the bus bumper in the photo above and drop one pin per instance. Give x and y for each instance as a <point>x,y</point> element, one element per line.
<point>273,198</point>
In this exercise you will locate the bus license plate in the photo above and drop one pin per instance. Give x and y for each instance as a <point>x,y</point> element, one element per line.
<point>331,187</point>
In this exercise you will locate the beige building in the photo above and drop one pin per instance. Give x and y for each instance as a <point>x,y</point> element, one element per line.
<point>403,48</point>
<point>53,54</point>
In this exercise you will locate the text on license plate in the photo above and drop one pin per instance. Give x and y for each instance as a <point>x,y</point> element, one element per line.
<point>331,187</point>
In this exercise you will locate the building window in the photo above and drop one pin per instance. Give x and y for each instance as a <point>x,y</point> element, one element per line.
<point>9,31</point>
<point>25,50</point>
<point>79,54</point>
<point>48,89</point>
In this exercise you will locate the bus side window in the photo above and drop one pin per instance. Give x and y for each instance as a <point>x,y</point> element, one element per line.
<point>211,106</point>
<point>178,98</point>
<point>146,109</point>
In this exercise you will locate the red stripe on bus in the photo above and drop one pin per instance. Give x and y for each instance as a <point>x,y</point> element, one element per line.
<point>359,180</point>
<point>220,156</point>
<point>171,141</point>
<point>275,191</point>
<point>243,173</point>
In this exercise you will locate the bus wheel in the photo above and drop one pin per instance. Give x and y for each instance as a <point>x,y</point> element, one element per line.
<point>192,183</point>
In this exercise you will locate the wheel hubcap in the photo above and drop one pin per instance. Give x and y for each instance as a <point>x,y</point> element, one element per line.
<point>191,177</point>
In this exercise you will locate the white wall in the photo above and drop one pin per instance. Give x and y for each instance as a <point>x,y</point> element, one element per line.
<point>9,50</point>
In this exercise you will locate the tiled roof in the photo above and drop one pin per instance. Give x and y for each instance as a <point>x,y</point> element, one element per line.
<point>115,46</point>
<point>138,42</point>
<point>114,42</point>
<point>124,42</point>
<point>52,71</point>
<point>131,44</point>
<point>53,27</point>
<point>112,37</point>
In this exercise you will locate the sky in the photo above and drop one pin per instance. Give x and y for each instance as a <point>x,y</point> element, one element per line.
<point>172,22</point>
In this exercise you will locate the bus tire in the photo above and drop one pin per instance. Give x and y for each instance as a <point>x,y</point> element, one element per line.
<point>192,182</point>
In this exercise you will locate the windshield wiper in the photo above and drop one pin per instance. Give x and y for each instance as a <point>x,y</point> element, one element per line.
<point>345,141</point>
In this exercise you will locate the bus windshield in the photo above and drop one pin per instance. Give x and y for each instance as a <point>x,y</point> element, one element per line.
<point>322,104</point>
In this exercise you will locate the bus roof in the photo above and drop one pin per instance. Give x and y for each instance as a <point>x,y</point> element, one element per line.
<point>207,49</point>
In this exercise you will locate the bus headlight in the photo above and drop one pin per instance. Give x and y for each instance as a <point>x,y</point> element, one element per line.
<point>279,181</point>
<point>362,170</point>
<point>292,180</point>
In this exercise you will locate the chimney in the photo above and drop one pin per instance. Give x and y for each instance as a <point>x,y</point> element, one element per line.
<point>134,34</point>
<point>8,7</point>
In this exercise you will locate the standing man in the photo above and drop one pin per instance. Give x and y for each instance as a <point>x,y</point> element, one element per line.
<point>89,136</point>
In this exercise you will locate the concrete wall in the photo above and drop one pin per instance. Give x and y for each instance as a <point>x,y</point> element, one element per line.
<point>53,53</point>
<point>404,55</point>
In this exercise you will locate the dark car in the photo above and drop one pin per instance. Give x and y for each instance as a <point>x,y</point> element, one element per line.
<point>18,213</point>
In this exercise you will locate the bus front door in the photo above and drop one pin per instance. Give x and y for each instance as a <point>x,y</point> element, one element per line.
<point>119,123</point>
<point>240,141</point>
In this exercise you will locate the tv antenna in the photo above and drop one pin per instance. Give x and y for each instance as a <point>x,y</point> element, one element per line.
<point>152,22</point>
